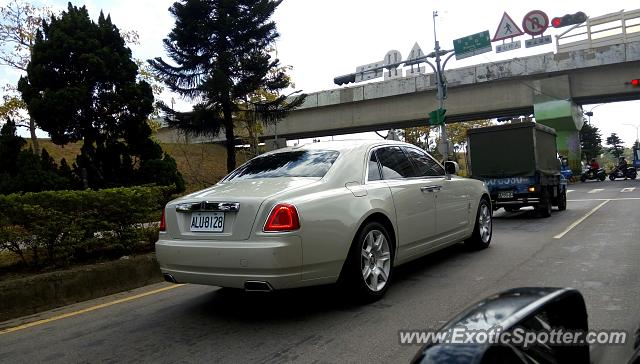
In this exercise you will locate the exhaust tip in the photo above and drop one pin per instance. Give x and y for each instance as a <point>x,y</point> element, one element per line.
<point>257,286</point>
<point>169,278</point>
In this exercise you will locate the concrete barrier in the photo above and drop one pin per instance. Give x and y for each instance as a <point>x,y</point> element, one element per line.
<point>29,295</point>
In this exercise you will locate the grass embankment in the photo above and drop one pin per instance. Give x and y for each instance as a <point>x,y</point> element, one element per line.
<point>201,165</point>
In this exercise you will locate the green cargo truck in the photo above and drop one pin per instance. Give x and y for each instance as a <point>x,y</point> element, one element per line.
<point>519,164</point>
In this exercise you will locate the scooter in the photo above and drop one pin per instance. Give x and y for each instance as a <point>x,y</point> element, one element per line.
<point>590,174</point>
<point>617,173</point>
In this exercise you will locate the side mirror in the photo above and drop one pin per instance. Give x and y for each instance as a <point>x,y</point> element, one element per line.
<point>525,311</point>
<point>451,167</point>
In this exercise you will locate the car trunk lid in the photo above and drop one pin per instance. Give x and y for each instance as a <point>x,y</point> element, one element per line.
<point>228,210</point>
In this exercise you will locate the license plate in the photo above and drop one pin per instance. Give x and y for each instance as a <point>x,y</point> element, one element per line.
<point>505,194</point>
<point>207,221</point>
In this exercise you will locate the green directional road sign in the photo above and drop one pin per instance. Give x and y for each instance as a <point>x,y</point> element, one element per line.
<point>472,45</point>
<point>436,117</point>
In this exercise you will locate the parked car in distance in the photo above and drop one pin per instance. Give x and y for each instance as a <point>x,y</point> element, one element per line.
<point>321,213</point>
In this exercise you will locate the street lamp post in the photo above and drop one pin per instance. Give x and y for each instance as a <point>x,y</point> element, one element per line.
<point>637,126</point>
<point>440,95</point>
<point>374,71</point>
<point>590,112</point>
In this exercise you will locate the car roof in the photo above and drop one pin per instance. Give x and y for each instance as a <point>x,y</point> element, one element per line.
<point>340,145</point>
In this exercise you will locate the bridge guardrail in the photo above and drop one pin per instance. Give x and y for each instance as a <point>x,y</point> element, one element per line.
<point>605,30</point>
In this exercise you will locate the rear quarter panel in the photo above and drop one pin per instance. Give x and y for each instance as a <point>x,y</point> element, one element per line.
<point>329,221</point>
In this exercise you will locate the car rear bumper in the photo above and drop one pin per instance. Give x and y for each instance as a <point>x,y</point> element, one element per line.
<point>276,260</point>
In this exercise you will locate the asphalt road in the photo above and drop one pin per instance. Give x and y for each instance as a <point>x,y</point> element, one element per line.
<point>600,256</point>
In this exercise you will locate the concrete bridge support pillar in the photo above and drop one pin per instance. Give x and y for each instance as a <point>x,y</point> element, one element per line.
<point>566,118</point>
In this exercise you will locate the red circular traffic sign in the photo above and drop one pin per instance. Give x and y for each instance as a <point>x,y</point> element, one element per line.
<point>535,22</point>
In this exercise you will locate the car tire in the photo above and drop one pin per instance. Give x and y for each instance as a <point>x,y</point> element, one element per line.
<point>483,228</point>
<point>369,260</point>
<point>544,207</point>
<point>562,201</point>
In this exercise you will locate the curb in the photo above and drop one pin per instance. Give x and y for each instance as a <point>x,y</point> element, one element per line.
<point>29,295</point>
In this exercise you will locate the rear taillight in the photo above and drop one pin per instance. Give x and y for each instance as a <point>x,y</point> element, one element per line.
<point>163,222</point>
<point>283,217</point>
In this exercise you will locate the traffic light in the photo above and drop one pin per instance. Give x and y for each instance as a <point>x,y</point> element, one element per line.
<point>341,80</point>
<point>436,117</point>
<point>569,19</point>
<point>635,82</point>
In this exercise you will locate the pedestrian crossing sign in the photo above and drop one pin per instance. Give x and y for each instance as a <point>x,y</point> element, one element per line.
<point>507,29</point>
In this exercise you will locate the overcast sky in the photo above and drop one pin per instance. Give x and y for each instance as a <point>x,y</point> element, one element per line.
<point>322,39</point>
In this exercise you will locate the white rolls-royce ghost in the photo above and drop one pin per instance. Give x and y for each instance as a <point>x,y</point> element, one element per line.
<point>320,213</point>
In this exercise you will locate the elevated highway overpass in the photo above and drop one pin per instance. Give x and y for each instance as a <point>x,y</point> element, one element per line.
<point>495,89</point>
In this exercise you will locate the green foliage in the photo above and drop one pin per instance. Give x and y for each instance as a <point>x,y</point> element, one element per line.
<point>221,54</point>
<point>590,141</point>
<point>63,227</point>
<point>163,172</point>
<point>617,149</point>
<point>10,147</point>
<point>81,81</point>
<point>418,136</point>
<point>23,170</point>
<point>10,107</point>
<point>82,84</point>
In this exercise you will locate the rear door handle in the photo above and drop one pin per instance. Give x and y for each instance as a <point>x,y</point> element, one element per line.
<point>430,188</point>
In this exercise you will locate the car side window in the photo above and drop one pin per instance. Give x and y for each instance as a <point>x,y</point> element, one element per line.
<point>374,171</point>
<point>394,163</point>
<point>425,165</point>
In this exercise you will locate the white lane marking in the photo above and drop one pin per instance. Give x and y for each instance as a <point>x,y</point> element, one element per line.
<point>577,222</point>
<point>596,190</point>
<point>568,191</point>
<point>628,189</point>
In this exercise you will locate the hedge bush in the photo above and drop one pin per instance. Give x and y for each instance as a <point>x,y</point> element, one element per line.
<point>57,228</point>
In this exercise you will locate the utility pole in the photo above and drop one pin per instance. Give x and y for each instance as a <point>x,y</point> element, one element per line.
<point>376,69</point>
<point>440,85</point>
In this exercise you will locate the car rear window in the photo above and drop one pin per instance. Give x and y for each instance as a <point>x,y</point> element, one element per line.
<point>299,163</point>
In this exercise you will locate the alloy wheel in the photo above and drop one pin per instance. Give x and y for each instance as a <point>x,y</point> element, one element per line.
<point>375,260</point>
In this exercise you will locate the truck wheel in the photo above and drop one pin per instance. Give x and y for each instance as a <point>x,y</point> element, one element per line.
<point>483,228</point>
<point>544,207</point>
<point>562,201</point>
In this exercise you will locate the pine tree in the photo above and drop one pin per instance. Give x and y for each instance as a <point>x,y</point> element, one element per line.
<point>591,141</point>
<point>221,53</point>
<point>82,84</point>
<point>616,145</point>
